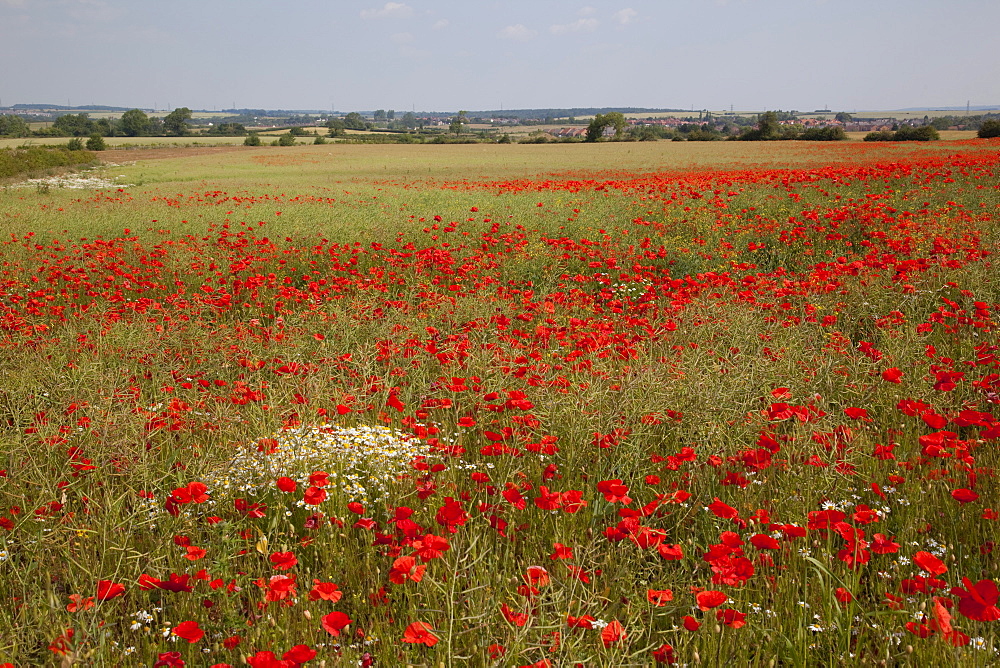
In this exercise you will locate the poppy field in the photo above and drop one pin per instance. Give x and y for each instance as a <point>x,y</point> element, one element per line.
<point>253,412</point>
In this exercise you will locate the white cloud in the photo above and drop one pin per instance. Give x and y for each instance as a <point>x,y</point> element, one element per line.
<point>625,16</point>
<point>440,25</point>
<point>517,33</point>
<point>580,25</point>
<point>395,10</point>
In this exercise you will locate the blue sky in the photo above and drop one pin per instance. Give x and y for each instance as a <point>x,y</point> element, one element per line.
<point>448,55</point>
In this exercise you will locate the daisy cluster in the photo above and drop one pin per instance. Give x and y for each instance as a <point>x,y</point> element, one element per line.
<point>361,461</point>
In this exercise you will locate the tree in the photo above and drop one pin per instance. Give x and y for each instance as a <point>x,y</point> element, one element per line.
<point>96,143</point>
<point>409,120</point>
<point>828,133</point>
<point>597,126</point>
<point>336,127</point>
<point>390,115</point>
<point>354,121</point>
<point>74,125</point>
<point>228,130</point>
<point>13,126</point>
<point>989,128</point>
<point>134,123</point>
<point>379,115</point>
<point>287,139</point>
<point>175,123</point>
<point>458,122</point>
<point>768,124</point>
<point>843,117</point>
<point>253,139</point>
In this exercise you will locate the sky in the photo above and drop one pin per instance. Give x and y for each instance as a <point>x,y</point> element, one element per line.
<point>446,55</point>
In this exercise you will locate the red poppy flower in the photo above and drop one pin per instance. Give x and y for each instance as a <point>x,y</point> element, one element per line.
<point>406,568</point>
<point>299,654</point>
<point>929,563</point>
<point>515,618</point>
<point>710,599</point>
<point>731,618</point>
<point>431,547</point>
<point>314,496</point>
<point>722,510</point>
<point>613,633</point>
<point>892,375</point>
<point>670,552</point>
<point>537,576</point>
<point>286,484</point>
<point>664,654</point>
<point>419,633</point>
<point>978,601</point>
<point>168,659</point>
<point>614,491</point>
<point>764,542</point>
<point>78,603</point>
<point>335,622</point>
<point>195,553</point>
<point>561,552</point>
<point>326,591</point>
<point>691,624</point>
<point>194,492</point>
<point>659,597</point>
<point>843,595</point>
<point>283,561</point>
<point>106,590</point>
<point>964,495</point>
<point>189,631</point>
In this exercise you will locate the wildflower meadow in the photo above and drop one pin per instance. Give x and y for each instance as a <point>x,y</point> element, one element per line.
<point>586,405</point>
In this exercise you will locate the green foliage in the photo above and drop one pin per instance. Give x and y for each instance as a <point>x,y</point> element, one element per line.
<point>16,161</point>
<point>336,126</point>
<point>504,139</point>
<point>175,123</point>
<point>75,125</point>
<point>615,119</point>
<point>922,133</point>
<point>905,133</point>
<point>354,121</point>
<point>537,138</point>
<point>96,143</point>
<point>767,128</point>
<point>287,139</point>
<point>12,125</point>
<point>989,128</point>
<point>880,135</point>
<point>409,120</point>
<point>320,139</point>
<point>648,133</point>
<point>828,133</point>
<point>298,132</point>
<point>74,144</point>
<point>843,117</point>
<point>253,139</point>
<point>134,123</point>
<point>228,130</point>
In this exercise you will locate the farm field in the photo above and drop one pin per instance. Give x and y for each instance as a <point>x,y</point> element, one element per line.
<point>622,404</point>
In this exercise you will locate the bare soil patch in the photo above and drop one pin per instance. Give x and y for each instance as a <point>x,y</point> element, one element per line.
<point>128,155</point>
